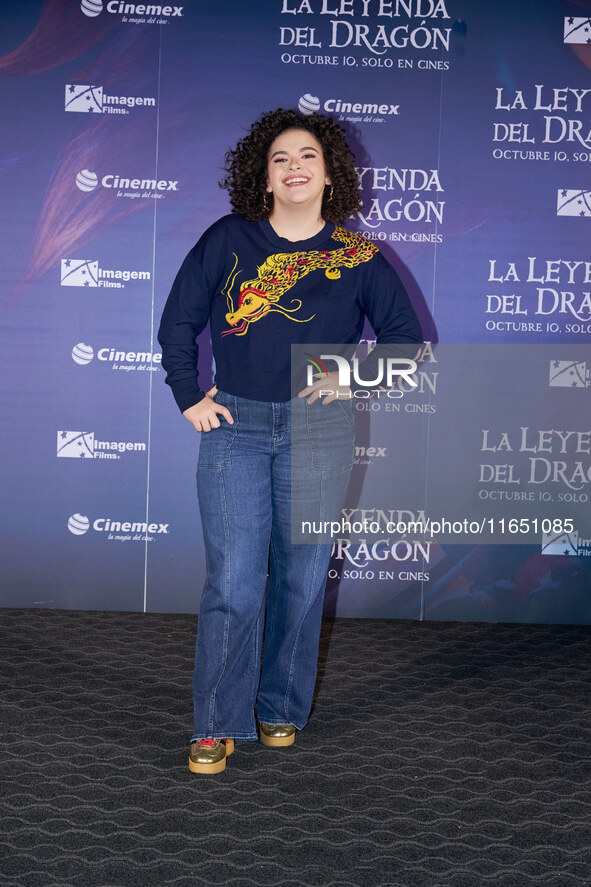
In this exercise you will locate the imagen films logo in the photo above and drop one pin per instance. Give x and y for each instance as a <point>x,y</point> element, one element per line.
<point>566,544</point>
<point>84,445</point>
<point>363,112</point>
<point>87,273</point>
<point>577,30</point>
<point>138,11</point>
<point>569,374</point>
<point>116,530</point>
<point>87,99</point>
<point>571,202</point>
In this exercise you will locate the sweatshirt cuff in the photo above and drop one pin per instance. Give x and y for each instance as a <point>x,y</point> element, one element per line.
<point>185,399</point>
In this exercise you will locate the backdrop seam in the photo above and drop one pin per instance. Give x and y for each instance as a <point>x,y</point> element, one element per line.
<point>151,381</point>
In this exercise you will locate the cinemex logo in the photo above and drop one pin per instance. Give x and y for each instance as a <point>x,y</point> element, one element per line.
<point>569,374</point>
<point>92,100</point>
<point>371,112</point>
<point>87,180</point>
<point>92,8</point>
<point>86,272</point>
<point>577,30</point>
<point>127,361</point>
<point>364,455</point>
<point>118,531</point>
<point>83,445</point>
<point>573,203</point>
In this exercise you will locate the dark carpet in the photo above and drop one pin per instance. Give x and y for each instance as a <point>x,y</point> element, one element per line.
<point>437,754</point>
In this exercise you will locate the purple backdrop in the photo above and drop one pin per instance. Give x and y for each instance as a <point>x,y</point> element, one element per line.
<point>471,125</point>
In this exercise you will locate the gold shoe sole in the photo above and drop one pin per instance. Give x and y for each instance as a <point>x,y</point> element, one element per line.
<point>213,768</point>
<point>207,768</point>
<point>276,742</point>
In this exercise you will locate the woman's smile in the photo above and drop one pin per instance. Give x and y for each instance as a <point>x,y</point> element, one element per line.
<point>292,181</point>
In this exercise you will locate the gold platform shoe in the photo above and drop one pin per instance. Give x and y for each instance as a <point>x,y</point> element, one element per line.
<point>277,734</point>
<point>209,755</point>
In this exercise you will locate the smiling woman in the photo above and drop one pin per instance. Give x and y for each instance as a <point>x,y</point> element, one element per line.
<point>280,270</point>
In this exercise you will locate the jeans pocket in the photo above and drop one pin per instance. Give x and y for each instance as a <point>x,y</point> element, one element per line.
<point>331,437</point>
<point>215,447</point>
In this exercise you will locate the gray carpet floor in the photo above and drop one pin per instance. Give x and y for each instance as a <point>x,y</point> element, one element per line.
<point>437,754</point>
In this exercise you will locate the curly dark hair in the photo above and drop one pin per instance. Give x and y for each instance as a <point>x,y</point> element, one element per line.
<point>246,166</point>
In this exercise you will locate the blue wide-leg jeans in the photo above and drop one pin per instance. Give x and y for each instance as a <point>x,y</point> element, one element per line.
<point>244,481</point>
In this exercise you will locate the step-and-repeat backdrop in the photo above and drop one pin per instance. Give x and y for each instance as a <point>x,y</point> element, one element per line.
<point>471,124</point>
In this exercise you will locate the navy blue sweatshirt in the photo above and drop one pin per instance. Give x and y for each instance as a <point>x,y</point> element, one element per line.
<point>261,293</point>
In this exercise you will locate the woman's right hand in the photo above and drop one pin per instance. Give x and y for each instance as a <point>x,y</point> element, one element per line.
<point>204,415</point>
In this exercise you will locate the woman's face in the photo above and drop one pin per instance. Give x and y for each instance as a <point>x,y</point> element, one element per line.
<point>296,174</point>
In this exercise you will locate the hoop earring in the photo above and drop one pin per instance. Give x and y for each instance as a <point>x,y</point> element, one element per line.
<point>265,204</point>
<point>331,193</point>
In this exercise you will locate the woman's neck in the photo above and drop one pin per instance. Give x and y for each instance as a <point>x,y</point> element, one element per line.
<point>296,226</point>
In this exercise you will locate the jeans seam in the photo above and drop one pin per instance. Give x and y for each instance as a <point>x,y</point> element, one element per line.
<point>350,419</point>
<point>227,463</point>
<point>255,658</point>
<point>297,637</point>
<point>274,558</point>
<point>227,599</point>
<point>313,459</point>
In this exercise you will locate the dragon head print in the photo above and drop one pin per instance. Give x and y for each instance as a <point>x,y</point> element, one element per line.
<point>281,271</point>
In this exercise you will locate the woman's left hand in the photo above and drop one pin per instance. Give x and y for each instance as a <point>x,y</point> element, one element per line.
<point>326,387</point>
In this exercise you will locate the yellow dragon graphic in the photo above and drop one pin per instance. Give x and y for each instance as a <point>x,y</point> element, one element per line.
<point>281,271</point>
